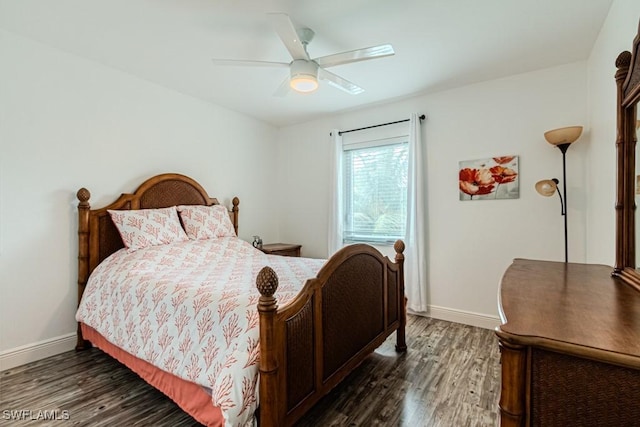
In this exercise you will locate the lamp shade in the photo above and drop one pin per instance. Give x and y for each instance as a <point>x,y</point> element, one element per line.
<point>547,187</point>
<point>566,135</point>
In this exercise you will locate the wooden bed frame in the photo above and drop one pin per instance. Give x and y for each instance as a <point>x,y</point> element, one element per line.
<point>306,347</point>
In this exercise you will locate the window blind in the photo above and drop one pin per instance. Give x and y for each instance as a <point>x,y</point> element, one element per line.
<point>375,191</point>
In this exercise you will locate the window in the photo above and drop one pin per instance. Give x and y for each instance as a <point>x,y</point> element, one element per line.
<point>375,190</point>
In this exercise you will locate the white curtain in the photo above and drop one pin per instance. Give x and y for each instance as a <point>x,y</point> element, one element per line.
<point>415,267</point>
<point>336,210</point>
<point>415,251</point>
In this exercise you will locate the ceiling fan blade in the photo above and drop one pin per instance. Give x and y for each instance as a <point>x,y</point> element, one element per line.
<point>283,89</point>
<point>338,82</point>
<point>355,55</point>
<point>248,63</point>
<point>288,34</point>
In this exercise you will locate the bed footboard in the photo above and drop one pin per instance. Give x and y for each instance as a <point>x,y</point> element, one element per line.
<point>308,346</point>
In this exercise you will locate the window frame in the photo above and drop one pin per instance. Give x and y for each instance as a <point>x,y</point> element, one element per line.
<point>347,190</point>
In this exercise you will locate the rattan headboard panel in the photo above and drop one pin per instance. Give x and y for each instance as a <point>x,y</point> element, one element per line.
<point>300,355</point>
<point>99,237</point>
<point>359,275</point>
<point>109,240</point>
<point>172,193</point>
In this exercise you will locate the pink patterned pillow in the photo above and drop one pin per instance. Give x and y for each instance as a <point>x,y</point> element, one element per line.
<point>206,222</point>
<point>148,227</point>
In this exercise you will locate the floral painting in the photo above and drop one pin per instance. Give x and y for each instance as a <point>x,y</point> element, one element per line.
<point>489,179</point>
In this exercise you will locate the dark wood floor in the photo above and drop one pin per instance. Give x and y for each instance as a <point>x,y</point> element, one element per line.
<point>450,376</point>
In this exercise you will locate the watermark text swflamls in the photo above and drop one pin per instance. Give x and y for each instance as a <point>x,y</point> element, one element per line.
<point>39,415</point>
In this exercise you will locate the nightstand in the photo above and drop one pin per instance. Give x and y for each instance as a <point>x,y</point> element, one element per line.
<point>283,249</point>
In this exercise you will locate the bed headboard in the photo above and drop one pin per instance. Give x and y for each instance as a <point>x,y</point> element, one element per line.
<point>97,235</point>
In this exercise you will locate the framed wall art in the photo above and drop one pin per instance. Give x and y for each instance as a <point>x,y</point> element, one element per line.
<point>489,179</point>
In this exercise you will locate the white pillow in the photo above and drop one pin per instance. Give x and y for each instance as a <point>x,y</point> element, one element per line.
<point>206,222</point>
<point>148,227</point>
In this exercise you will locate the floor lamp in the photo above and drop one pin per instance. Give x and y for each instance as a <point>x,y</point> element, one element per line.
<point>561,138</point>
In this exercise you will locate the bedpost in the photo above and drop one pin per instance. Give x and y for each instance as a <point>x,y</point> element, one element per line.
<point>234,211</point>
<point>83,196</point>
<point>401,344</point>
<point>267,283</point>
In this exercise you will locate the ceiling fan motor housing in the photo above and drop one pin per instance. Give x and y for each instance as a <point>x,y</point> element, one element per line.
<point>304,75</point>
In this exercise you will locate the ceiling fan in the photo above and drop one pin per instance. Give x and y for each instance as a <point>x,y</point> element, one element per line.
<point>304,71</point>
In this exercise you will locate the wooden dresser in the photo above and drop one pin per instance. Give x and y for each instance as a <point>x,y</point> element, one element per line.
<point>570,344</point>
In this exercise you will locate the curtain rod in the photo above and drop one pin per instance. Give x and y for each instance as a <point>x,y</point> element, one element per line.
<point>422,117</point>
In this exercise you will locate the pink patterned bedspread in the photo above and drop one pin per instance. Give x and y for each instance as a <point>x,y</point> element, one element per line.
<point>189,308</point>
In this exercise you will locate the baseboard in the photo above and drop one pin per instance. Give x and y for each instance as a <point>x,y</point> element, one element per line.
<point>36,351</point>
<point>464,317</point>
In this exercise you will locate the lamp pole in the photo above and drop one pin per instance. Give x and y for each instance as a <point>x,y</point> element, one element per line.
<point>563,148</point>
<point>563,138</point>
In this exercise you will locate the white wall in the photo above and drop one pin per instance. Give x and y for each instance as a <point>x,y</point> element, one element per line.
<point>615,36</point>
<point>67,123</point>
<point>469,243</point>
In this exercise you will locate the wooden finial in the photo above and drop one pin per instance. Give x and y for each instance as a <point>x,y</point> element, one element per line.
<point>624,59</point>
<point>83,196</point>
<point>399,246</point>
<point>267,282</point>
<point>235,202</point>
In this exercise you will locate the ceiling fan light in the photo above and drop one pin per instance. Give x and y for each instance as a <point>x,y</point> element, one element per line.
<point>304,76</point>
<point>303,83</point>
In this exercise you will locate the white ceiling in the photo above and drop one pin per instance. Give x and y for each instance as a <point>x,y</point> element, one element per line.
<point>439,44</point>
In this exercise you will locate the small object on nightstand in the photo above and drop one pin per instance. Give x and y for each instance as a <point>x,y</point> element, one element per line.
<point>283,249</point>
<point>257,242</point>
